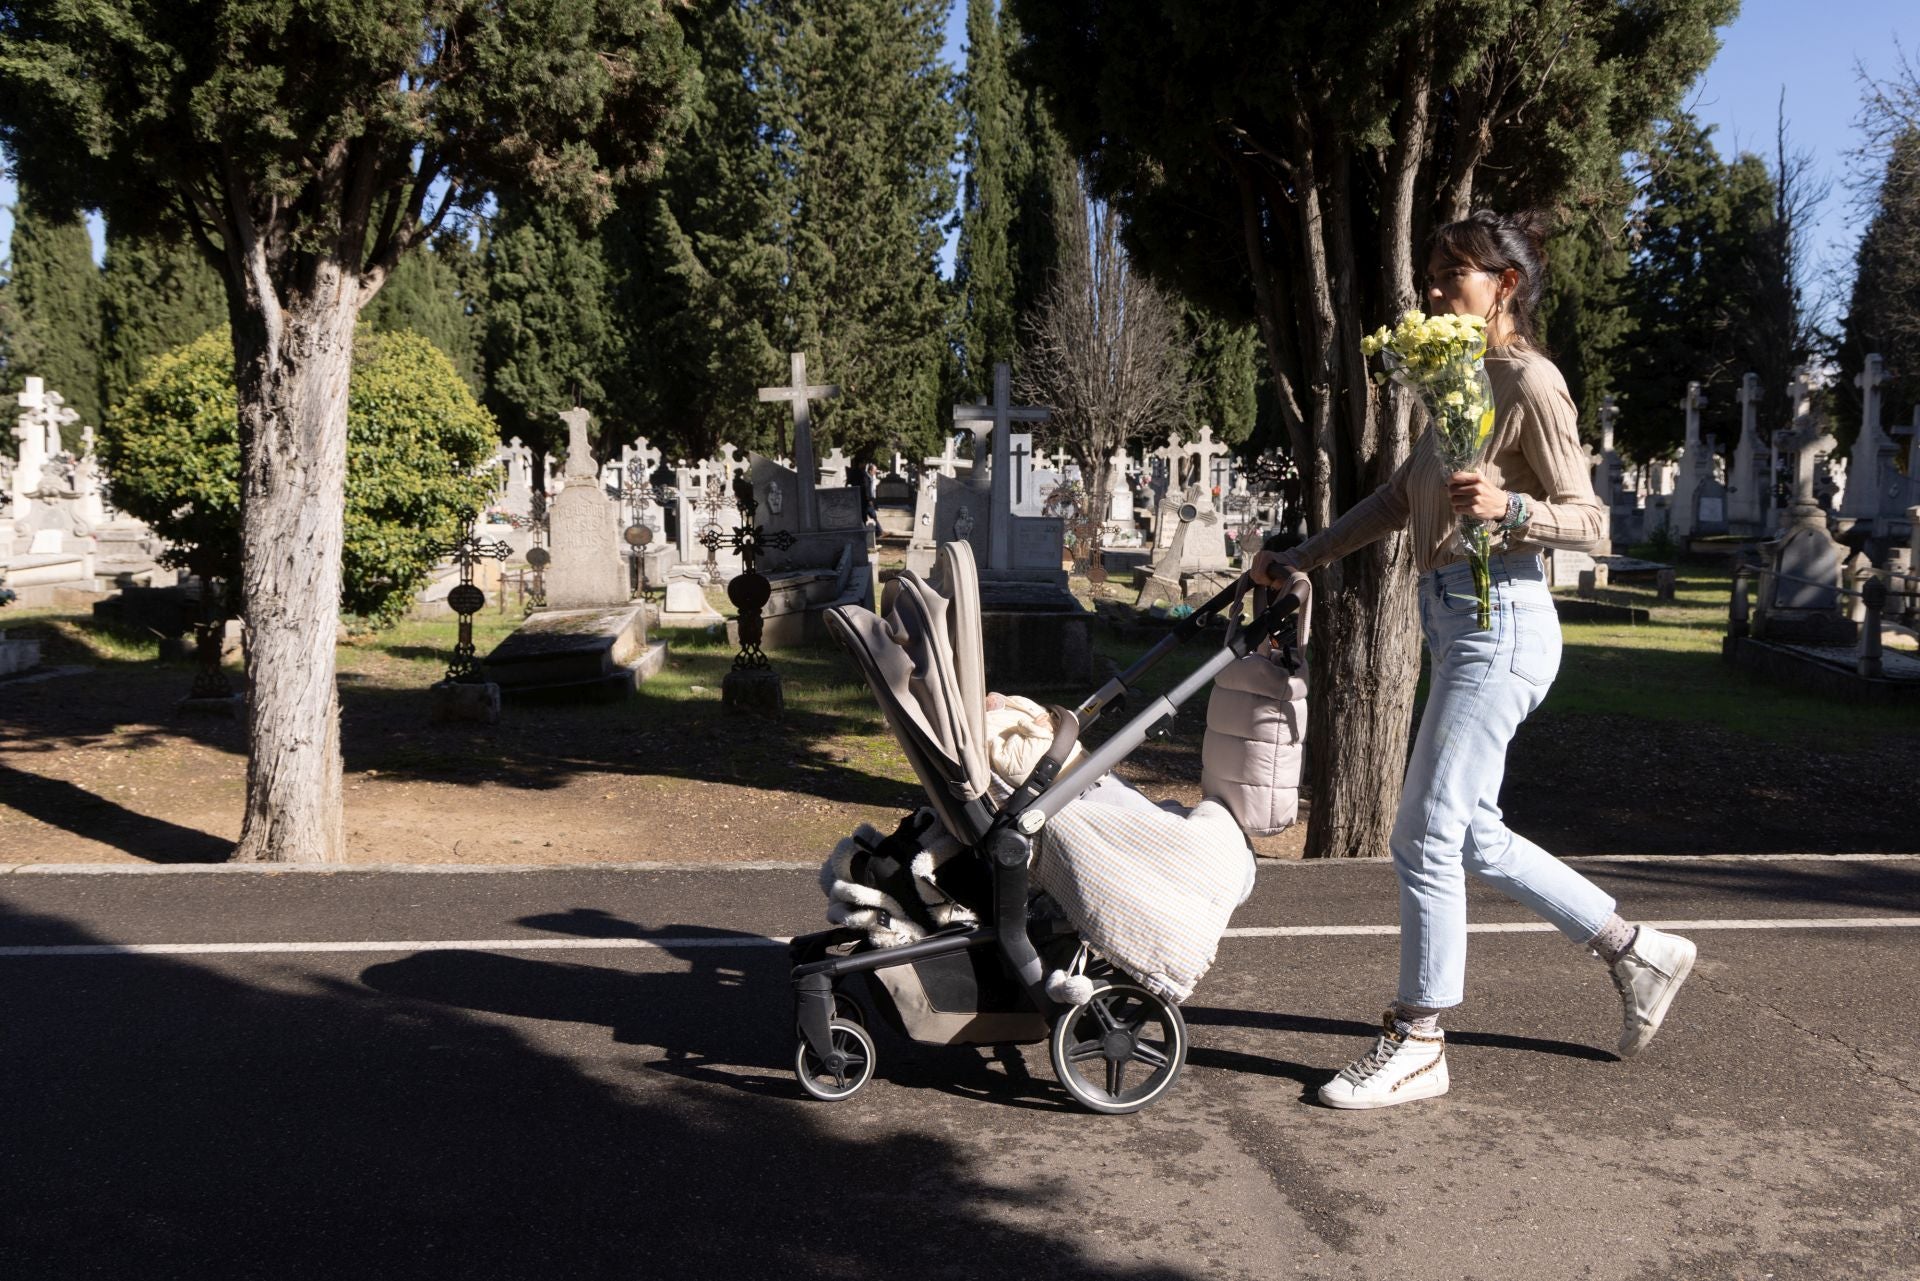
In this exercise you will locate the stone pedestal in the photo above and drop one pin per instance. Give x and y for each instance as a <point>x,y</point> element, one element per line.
<point>18,655</point>
<point>754,689</point>
<point>478,702</point>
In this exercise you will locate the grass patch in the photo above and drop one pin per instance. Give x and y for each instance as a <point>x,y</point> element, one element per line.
<point>1670,669</point>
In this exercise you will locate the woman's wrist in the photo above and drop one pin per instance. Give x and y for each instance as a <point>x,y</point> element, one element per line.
<point>1519,512</point>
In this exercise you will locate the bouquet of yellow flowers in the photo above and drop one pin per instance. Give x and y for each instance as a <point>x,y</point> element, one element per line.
<point>1442,359</point>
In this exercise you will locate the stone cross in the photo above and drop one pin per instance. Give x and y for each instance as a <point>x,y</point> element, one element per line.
<point>1873,450</point>
<point>1803,442</point>
<point>579,453</point>
<point>1693,404</point>
<point>800,395</point>
<point>1173,453</point>
<point>997,418</point>
<point>1206,449</point>
<point>946,463</point>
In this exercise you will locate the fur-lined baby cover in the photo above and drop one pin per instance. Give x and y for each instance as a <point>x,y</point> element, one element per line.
<point>901,888</point>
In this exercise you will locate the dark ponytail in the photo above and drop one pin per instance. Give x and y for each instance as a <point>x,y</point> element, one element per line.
<point>1488,241</point>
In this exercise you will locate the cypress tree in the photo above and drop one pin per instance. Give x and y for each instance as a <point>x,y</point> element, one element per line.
<point>427,296</point>
<point>695,264</point>
<point>1583,320</point>
<point>1690,289</point>
<point>155,295</point>
<point>547,332</point>
<point>56,289</point>
<point>1883,313</point>
<point>1224,368</point>
<point>995,164</point>
<point>863,126</point>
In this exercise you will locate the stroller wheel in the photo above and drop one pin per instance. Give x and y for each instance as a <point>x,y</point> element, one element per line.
<point>831,1082</point>
<point>1120,1049</point>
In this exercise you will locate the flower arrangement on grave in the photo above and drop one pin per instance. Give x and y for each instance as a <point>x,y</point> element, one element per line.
<point>1442,359</point>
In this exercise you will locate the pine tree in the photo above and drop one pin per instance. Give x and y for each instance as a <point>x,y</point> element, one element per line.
<point>864,126</point>
<point>427,296</point>
<point>56,289</point>
<point>548,337</point>
<point>155,296</point>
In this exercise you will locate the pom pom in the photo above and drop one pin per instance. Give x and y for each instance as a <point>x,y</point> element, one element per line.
<point>1069,989</point>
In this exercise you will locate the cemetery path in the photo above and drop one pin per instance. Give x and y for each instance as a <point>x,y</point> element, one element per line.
<point>585,1072</point>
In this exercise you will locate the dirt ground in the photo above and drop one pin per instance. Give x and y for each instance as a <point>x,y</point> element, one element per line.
<point>97,765</point>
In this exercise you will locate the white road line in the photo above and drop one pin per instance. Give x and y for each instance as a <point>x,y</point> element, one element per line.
<point>782,865</point>
<point>702,941</point>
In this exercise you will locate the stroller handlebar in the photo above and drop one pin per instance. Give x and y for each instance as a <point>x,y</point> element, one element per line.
<point>1240,641</point>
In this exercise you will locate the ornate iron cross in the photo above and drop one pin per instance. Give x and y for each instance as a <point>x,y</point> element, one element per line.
<point>750,590</point>
<point>466,600</point>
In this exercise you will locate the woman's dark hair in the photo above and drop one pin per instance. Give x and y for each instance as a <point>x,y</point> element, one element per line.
<point>1488,241</point>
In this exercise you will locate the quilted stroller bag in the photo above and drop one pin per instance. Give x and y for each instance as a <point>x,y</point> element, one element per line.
<point>1251,757</point>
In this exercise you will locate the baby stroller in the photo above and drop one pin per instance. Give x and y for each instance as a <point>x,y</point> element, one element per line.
<point>977,956</point>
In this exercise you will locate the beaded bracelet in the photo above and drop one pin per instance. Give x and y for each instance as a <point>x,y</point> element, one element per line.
<point>1518,513</point>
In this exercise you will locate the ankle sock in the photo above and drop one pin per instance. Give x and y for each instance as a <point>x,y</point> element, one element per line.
<point>1612,939</point>
<point>1423,1019</point>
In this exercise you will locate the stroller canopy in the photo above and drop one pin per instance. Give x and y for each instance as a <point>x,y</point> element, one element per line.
<point>921,654</point>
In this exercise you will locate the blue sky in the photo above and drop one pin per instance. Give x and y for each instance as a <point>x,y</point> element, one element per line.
<point>1811,51</point>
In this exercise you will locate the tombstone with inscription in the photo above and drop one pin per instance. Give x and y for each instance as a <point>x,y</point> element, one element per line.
<point>894,506</point>
<point>52,543</point>
<point>590,642</point>
<point>1710,499</point>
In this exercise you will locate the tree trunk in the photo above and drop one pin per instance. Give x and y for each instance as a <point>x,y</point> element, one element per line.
<point>291,369</point>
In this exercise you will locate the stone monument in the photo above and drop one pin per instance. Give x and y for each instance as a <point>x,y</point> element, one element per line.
<point>589,643</point>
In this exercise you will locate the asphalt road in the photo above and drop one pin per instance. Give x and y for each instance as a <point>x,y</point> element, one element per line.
<point>340,1094</point>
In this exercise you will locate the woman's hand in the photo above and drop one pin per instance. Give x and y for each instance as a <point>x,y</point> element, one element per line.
<point>1474,495</point>
<point>1273,569</point>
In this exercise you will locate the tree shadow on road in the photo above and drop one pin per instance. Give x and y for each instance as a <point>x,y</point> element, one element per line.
<point>172,1118</point>
<point>84,813</point>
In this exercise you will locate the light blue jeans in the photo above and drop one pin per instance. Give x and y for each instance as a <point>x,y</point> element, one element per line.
<point>1482,684</point>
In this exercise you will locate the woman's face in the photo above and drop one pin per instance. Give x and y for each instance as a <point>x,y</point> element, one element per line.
<point>1462,290</point>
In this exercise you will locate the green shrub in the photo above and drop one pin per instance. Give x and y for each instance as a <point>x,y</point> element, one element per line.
<point>417,441</point>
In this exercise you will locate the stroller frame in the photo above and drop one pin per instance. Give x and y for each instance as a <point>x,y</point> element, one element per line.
<point>841,1048</point>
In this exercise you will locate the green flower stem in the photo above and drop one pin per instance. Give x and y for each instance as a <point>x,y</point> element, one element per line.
<point>1473,532</point>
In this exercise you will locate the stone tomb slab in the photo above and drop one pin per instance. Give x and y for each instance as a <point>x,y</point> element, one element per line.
<point>575,655</point>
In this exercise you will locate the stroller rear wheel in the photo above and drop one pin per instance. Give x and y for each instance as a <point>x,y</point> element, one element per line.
<point>1120,1049</point>
<point>830,1081</point>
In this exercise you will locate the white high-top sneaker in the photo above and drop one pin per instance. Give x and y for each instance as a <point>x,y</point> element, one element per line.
<point>1401,1067</point>
<point>1647,975</point>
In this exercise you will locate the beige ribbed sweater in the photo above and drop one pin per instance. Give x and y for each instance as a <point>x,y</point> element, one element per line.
<point>1535,451</point>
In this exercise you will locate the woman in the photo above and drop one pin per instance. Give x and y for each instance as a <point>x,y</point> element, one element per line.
<point>1534,489</point>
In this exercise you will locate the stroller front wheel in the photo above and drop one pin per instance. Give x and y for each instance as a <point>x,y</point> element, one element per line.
<point>1120,1049</point>
<point>848,1068</point>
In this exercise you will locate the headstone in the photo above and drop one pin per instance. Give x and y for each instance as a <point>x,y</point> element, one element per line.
<point>800,396</point>
<point>1750,482</point>
<point>995,420</point>
<point>1875,489</point>
<point>587,570</point>
<point>1801,592</point>
<point>1693,464</point>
